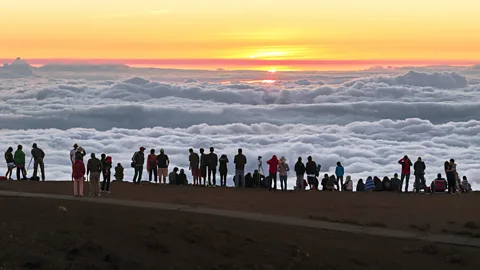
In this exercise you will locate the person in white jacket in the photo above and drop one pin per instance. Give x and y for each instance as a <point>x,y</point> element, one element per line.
<point>348,184</point>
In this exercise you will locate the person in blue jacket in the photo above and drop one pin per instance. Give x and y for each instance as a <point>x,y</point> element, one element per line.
<point>369,184</point>
<point>339,172</point>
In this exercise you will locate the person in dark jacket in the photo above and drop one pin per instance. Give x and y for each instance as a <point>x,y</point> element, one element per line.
<point>300,172</point>
<point>138,160</point>
<point>258,179</point>
<point>395,181</point>
<point>194,160</point>
<point>406,164</point>
<point>240,161</point>
<point>360,186</point>
<point>203,167</point>
<point>331,183</point>
<point>249,181</point>
<point>451,176</point>
<point>172,177</point>
<point>94,167</point>
<point>38,156</point>
<point>386,184</point>
<point>311,170</point>
<point>378,183</point>
<point>324,181</point>
<point>223,170</point>
<point>10,163</point>
<point>107,172</point>
<point>119,172</point>
<point>419,171</point>
<point>181,179</point>
<point>80,154</point>
<point>212,167</point>
<point>163,162</point>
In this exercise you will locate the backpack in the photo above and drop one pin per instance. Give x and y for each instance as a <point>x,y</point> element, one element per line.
<point>133,160</point>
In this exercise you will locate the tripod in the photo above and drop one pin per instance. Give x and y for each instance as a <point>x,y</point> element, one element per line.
<point>260,172</point>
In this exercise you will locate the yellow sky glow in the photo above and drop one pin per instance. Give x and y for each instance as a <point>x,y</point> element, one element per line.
<point>260,29</point>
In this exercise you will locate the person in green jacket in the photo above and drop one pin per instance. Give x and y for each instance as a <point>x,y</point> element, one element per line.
<point>19,158</point>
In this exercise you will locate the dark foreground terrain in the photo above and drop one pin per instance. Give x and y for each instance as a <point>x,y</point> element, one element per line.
<point>37,234</point>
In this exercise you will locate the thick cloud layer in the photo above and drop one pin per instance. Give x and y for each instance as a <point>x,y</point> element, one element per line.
<point>367,120</point>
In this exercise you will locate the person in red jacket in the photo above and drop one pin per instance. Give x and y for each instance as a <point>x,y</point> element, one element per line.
<point>273,162</point>
<point>78,178</point>
<point>152,166</point>
<point>406,164</point>
<point>439,185</point>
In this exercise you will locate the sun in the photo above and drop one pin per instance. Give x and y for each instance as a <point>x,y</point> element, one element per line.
<point>272,70</point>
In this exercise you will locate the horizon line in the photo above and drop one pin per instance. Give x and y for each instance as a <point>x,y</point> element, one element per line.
<point>245,62</point>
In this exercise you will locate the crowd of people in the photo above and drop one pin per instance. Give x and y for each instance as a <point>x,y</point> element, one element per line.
<point>203,168</point>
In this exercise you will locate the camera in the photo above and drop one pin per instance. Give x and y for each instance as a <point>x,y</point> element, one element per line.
<point>259,157</point>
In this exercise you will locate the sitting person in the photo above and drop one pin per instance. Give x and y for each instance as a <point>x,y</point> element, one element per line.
<point>249,183</point>
<point>258,178</point>
<point>439,185</point>
<point>378,183</point>
<point>330,183</point>
<point>172,177</point>
<point>386,184</point>
<point>369,184</point>
<point>181,178</point>
<point>360,186</point>
<point>324,181</point>
<point>465,185</point>
<point>348,184</point>
<point>119,172</point>
<point>395,182</point>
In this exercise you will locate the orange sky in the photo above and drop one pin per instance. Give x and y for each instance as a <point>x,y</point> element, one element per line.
<point>417,31</point>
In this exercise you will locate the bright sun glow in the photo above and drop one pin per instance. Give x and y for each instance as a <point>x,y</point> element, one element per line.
<point>272,70</point>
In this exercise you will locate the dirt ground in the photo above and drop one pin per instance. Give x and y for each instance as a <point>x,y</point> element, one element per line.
<point>438,213</point>
<point>36,234</point>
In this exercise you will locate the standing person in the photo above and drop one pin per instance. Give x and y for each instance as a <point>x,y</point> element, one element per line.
<point>223,170</point>
<point>72,156</point>
<point>79,154</point>
<point>240,161</point>
<point>194,160</point>
<point>19,159</point>
<point>419,172</point>
<point>339,172</point>
<point>78,178</point>
<point>119,172</point>
<point>162,163</point>
<point>203,167</point>
<point>138,160</point>
<point>94,167</point>
<point>10,162</point>
<point>212,167</point>
<point>38,155</point>
<point>300,172</point>
<point>272,172</point>
<point>152,166</point>
<point>451,176</point>
<point>406,164</point>
<point>107,174</point>
<point>283,171</point>
<point>311,170</point>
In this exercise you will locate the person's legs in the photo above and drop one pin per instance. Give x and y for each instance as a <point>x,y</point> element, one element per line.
<point>407,179</point>
<point>42,170</point>
<point>237,178</point>
<point>417,184</point>
<point>80,186</point>
<point>150,172</point>
<point>18,173</point>
<point>340,180</point>
<point>35,169</point>
<point>134,176</point>
<point>108,183</point>
<point>300,186</point>
<point>242,178</point>
<point>140,172</point>
<point>283,182</point>
<point>75,187</point>
<point>214,172</point>
<point>104,181</point>
<point>209,176</point>
<point>402,177</point>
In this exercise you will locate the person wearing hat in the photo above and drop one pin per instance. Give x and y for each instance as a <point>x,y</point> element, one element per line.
<point>138,160</point>
<point>38,155</point>
<point>162,163</point>
<point>419,171</point>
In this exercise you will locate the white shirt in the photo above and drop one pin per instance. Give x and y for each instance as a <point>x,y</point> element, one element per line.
<point>72,155</point>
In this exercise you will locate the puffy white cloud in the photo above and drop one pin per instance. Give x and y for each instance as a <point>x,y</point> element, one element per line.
<point>368,123</point>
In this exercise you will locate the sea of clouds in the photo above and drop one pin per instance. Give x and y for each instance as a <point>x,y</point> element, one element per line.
<point>366,119</point>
